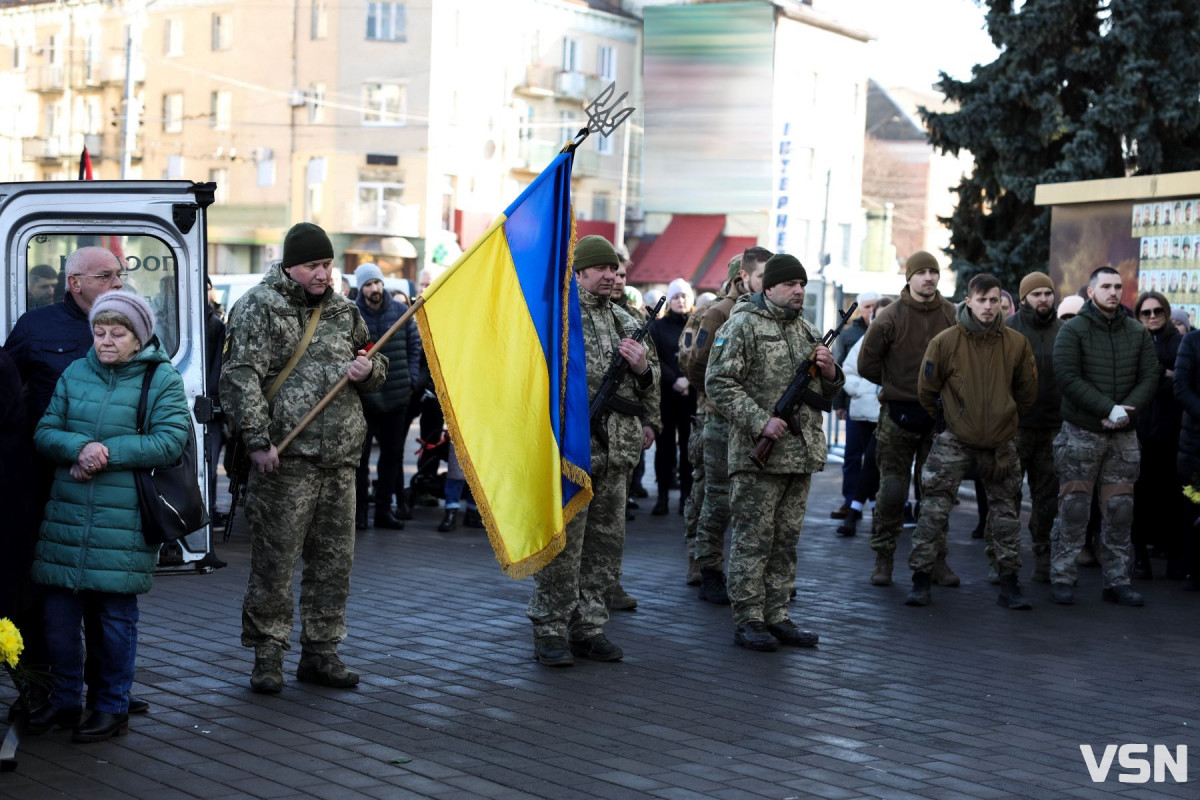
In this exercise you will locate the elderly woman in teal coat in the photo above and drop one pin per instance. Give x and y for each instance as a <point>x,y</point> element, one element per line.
<point>91,555</point>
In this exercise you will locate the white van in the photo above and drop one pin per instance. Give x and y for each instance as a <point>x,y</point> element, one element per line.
<point>158,229</point>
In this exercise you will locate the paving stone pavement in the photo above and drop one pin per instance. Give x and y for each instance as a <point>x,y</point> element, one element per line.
<point>961,699</point>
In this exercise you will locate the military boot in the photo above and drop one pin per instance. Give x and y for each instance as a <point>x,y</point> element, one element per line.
<point>712,587</point>
<point>1062,593</point>
<point>267,677</point>
<point>621,600</point>
<point>597,648</point>
<point>942,575</point>
<point>449,521</point>
<point>1041,568</point>
<point>753,635</point>
<point>552,651</point>
<point>1122,595</point>
<point>882,576</point>
<point>325,669</point>
<point>849,526</point>
<point>1010,593</point>
<point>693,571</point>
<point>920,594</point>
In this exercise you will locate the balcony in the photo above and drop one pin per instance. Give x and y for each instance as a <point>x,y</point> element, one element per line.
<point>388,219</point>
<point>534,155</point>
<point>46,78</point>
<point>573,85</point>
<point>43,148</point>
<point>540,79</point>
<point>113,70</point>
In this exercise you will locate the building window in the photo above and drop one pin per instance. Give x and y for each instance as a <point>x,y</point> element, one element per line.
<point>600,207</point>
<point>172,113</point>
<point>569,124</point>
<point>18,57</point>
<point>221,178</point>
<point>220,110</point>
<point>264,158</point>
<point>379,205</point>
<point>174,168</point>
<point>173,37</point>
<point>606,62</point>
<point>222,31</point>
<point>570,60</point>
<point>384,104</point>
<point>316,103</point>
<point>386,22</point>
<point>320,19</point>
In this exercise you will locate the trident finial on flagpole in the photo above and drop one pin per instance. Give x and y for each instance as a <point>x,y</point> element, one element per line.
<point>603,117</point>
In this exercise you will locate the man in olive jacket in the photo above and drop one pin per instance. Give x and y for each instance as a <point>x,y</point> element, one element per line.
<point>1106,368</point>
<point>1036,318</point>
<point>300,503</point>
<point>979,376</point>
<point>892,351</point>
<point>756,355</point>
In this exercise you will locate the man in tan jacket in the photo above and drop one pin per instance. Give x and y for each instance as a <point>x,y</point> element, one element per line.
<point>979,377</point>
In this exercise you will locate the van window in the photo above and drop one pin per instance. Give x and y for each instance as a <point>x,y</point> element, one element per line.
<point>151,271</point>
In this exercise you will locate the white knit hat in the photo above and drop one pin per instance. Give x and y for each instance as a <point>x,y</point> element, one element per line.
<point>679,286</point>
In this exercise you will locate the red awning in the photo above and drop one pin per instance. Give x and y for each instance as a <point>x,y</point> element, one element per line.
<point>592,227</point>
<point>718,268</point>
<point>680,250</point>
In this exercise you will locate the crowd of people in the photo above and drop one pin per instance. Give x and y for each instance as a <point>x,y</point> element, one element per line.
<point>1096,405</point>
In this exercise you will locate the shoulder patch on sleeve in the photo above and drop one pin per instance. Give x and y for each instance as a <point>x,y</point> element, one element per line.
<point>928,369</point>
<point>701,338</point>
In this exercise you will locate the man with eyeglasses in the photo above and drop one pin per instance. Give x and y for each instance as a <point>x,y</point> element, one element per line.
<point>43,343</point>
<point>1038,321</point>
<point>1107,371</point>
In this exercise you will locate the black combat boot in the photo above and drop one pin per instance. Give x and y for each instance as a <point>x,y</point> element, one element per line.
<point>788,633</point>
<point>552,651</point>
<point>849,526</point>
<point>1123,595</point>
<point>662,506</point>
<point>753,635</point>
<point>1010,593</point>
<point>921,594</point>
<point>449,521</point>
<point>712,587</point>
<point>385,519</point>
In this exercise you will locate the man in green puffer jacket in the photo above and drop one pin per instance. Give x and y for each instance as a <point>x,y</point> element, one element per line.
<point>980,376</point>
<point>1106,368</point>
<point>302,502</point>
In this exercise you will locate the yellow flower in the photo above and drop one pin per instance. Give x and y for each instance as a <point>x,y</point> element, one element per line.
<point>11,643</point>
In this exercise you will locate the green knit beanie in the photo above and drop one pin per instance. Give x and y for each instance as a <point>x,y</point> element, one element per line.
<point>594,251</point>
<point>305,242</point>
<point>918,261</point>
<point>783,267</point>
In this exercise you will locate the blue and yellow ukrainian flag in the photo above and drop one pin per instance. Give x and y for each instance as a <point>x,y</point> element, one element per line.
<point>504,340</point>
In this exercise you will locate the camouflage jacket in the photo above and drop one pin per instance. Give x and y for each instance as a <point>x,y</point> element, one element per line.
<point>265,326</point>
<point>698,338</point>
<point>755,356</point>
<point>604,326</point>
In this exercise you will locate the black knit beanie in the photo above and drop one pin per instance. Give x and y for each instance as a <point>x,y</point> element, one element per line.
<point>305,242</point>
<point>783,267</point>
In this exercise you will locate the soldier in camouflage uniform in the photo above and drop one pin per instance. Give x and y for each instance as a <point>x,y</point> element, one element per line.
<point>756,355</point>
<point>1107,371</point>
<point>981,376</point>
<point>891,355</point>
<point>569,601</point>
<point>710,495</point>
<point>300,504</point>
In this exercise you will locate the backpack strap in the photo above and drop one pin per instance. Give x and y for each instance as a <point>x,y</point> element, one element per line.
<point>147,377</point>
<point>309,332</point>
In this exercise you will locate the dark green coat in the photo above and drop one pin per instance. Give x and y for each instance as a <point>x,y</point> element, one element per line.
<point>1046,413</point>
<point>1101,362</point>
<point>91,538</point>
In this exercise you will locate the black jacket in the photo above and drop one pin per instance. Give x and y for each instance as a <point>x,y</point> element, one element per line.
<point>1187,392</point>
<point>1161,418</point>
<point>1047,411</point>
<point>43,343</point>
<point>403,351</point>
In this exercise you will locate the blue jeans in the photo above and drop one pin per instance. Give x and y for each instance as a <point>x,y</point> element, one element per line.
<point>117,616</point>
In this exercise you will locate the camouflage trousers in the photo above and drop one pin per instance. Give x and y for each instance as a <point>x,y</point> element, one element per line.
<point>1084,459</point>
<point>299,511</point>
<point>571,590</point>
<point>1035,448</point>
<point>766,527</point>
<point>896,448</point>
<point>714,515</point>
<point>947,463</point>
<point>695,498</point>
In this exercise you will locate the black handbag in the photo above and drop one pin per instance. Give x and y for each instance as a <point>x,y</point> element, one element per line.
<point>168,497</point>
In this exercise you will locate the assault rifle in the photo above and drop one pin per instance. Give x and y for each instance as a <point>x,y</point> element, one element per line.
<point>239,473</point>
<point>616,371</point>
<point>800,391</point>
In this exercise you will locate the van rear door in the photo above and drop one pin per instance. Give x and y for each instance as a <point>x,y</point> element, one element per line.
<point>157,228</point>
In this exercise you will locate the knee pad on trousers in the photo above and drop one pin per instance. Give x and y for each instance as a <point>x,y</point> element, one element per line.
<point>1120,510</point>
<point>1077,508</point>
<point>893,493</point>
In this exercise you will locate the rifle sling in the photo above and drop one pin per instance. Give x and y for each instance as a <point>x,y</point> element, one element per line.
<point>623,406</point>
<point>309,332</point>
